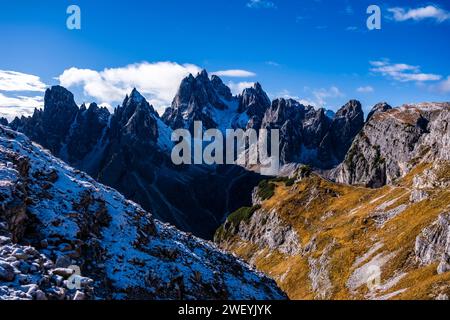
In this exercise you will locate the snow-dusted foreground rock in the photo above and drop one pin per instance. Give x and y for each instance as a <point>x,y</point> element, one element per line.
<point>65,236</point>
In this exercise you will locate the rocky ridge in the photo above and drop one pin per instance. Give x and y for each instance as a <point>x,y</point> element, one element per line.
<point>392,143</point>
<point>351,242</point>
<point>53,217</point>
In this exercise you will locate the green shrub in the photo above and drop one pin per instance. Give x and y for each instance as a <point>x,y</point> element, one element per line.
<point>266,190</point>
<point>305,171</point>
<point>242,214</point>
<point>233,221</point>
<point>289,182</point>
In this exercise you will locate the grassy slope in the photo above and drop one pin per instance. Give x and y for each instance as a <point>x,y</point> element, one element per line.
<point>349,225</point>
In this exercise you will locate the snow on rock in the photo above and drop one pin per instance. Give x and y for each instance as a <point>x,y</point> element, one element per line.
<point>56,221</point>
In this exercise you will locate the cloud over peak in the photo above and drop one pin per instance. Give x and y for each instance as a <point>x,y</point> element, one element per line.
<point>158,81</point>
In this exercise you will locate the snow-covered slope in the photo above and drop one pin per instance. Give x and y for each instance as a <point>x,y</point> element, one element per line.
<point>68,219</point>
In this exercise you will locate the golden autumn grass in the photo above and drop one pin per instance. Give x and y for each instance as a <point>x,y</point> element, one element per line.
<point>329,212</point>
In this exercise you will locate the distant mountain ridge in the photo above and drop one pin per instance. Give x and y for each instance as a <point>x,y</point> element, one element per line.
<point>130,149</point>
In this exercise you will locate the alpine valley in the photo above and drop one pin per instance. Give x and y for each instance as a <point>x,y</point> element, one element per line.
<point>360,210</point>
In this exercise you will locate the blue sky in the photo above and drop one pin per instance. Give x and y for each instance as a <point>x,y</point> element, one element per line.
<point>316,51</point>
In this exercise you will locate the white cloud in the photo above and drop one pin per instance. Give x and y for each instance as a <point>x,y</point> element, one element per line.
<point>428,12</point>
<point>237,87</point>
<point>321,95</point>
<point>17,81</point>
<point>237,73</point>
<point>402,72</point>
<point>366,89</point>
<point>265,4</point>
<point>11,102</point>
<point>11,107</point>
<point>158,82</point>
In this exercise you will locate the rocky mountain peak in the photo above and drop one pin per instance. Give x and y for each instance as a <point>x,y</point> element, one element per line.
<point>221,88</point>
<point>254,102</point>
<point>346,124</point>
<point>136,118</point>
<point>58,99</point>
<point>133,103</point>
<point>50,126</point>
<point>351,109</point>
<point>3,121</point>
<point>136,96</point>
<point>379,107</point>
<point>394,141</point>
<point>203,75</point>
<point>282,110</point>
<point>196,100</point>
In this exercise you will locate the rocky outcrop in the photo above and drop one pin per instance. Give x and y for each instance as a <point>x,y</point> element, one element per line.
<point>50,127</point>
<point>433,244</point>
<point>254,102</point>
<point>86,241</point>
<point>287,116</point>
<point>196,100</point>
<point>221,89</point>
<point>3,121</point>
<point>380,107</point>
<point>346,124</point>
<point>265,230</point>
<point>393,142</point>
<point>309,136</point>
<point>85,133</point>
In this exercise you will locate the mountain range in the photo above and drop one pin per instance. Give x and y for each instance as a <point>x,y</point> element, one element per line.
<point>354,195</point>
<point>129,150</point>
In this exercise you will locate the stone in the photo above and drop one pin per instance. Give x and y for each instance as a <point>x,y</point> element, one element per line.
<point>63,272</point>
<point>6,272</point>
<point>63,261</point>
<point>40,295</point>
<point>20,254</point>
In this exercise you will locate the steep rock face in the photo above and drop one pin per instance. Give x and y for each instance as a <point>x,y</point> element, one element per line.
<point>221,89</point>
<point>264,229</point>
<point>4,121</point>
<point>433,244</point>
<point>69,220</point>
<point>309,136</point>
<point>346,124</point>
<point>254,102</point>
<point>85,133</point>
<point>286,116</point>
<point>196,100</point>
<point>392,142</point>
<point>49,127</point>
